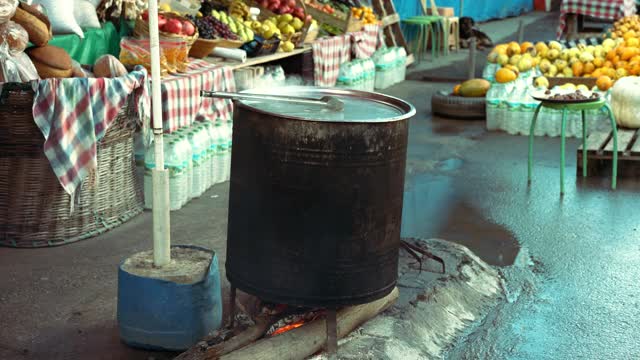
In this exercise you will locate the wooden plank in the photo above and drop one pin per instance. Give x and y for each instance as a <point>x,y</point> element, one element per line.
<point>635,148</point>
<point>390,19</point>
<point>596,141</point>
<point>256,60</point>
<point>624,138</point>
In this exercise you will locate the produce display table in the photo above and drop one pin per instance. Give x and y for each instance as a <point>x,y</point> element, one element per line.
<point>331,52</point>
<point>181,101</point>
<point>602,9</point>
<point>257,60</point>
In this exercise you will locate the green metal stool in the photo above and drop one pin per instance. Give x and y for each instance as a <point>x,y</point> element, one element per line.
<point>428,28</point>
<point>582,107</point>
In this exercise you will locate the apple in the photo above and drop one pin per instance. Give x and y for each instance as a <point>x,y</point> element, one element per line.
<point>291,3</point>
<point>161,21</point>
<point>275,3</point>
<point>308,18</point>
<point>285,9</point>
<point>264,4</point>
<point>188,28</point>
<point>173,26</point>
<point>145,15</point>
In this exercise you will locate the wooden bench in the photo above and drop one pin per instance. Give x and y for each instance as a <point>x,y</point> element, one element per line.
<point>600,153</point>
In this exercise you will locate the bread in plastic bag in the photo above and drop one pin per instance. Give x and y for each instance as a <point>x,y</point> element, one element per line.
<point>137,52</point>
<point>7,10</point>
<point>25,67</point>
<point>15,36</point>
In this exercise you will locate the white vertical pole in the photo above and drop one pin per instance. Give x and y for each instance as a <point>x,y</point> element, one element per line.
<point>161,220</point>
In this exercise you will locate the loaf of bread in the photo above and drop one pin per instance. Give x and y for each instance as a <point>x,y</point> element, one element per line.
<point>109,66</point>
<point>35,23</point>
<point>51,61</point>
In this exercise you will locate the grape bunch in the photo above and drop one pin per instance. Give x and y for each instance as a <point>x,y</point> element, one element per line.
<point>212,28</point>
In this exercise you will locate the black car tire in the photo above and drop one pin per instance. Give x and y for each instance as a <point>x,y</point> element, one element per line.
<point>458,107</point>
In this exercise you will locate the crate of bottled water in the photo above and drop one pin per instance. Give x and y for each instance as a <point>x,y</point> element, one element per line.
<point>196,157</point>
<point>386,64</point>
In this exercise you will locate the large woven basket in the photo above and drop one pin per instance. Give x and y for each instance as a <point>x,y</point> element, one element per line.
<point>36,211</point>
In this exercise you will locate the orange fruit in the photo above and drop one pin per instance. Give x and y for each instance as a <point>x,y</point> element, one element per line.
<point>604,83</point>
<point>589,67</point>
<point>525,46</point>
<point>611,54</point>
<point>577,68</point>
<point>628,53</point>
<point>456,89</point>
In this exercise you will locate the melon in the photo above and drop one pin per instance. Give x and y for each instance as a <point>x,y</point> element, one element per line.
<point>474,88</point>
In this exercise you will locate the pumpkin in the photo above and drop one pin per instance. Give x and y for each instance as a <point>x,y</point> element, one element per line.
<point>625,101</point>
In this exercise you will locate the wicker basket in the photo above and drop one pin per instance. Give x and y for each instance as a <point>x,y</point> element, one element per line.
<point>141,29</point>
<point>36,209</point>
<point>203,47</point>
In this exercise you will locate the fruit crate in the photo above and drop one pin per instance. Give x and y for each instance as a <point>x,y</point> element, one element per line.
<point>260,46</point>
<point>305,35</point>
<point>559,81</point>
<point>345,23</point>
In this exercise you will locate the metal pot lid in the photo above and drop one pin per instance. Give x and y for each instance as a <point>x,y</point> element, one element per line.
<point>359,106</point>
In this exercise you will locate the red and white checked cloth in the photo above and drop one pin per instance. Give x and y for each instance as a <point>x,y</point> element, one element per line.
<point>181,101</point>
<point>365,42</point>
<point>74,114</point>
<point>602,9</point>
<point>328,54</point>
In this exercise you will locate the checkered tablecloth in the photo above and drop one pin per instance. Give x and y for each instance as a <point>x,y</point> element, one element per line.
<point>74,114</point>
<point>331,52</point>
<point>181,101</point>
<point>365,42</point>
<point>328,54</point>
<point>602,9</point>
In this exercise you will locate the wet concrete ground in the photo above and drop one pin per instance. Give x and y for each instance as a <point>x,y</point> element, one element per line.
<point>464,184</point>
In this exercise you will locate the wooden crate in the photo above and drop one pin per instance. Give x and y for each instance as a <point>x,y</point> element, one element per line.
<point>600,153</point>
<point>346,23</point>
<point>558,81</point>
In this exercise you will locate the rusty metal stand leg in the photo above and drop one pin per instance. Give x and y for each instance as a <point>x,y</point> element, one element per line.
<point>332,334</point>
<point>232,307</point>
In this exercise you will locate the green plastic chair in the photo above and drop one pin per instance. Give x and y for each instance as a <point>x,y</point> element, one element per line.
<point>582,107</point>
<point>428,27</point>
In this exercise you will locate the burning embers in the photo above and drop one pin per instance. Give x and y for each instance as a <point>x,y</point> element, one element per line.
<point>294,321</point>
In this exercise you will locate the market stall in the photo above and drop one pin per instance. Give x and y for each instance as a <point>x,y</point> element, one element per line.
<point>482,10</point>
<point>59,69</point>
<point>600,9</point>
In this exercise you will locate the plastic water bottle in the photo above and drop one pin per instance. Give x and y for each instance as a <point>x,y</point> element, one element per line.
<point>358,74</point>
<point>213,153</point>
<point>402,61</point>
<point>489,72</point>
<point>345,76</point>
<point>218,165</point>
<point>370,74</point>
<point>511,115</point>
<point>206,131</point>
<point>175,166</point>
<point>196,149</point>
<point>493,102</point>
<point>188,163</point>
<point>225,154</point>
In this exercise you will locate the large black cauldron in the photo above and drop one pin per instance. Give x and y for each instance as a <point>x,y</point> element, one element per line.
<point>315,205</point>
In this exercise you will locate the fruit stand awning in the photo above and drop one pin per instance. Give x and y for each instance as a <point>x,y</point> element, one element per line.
<point>479,10</point>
